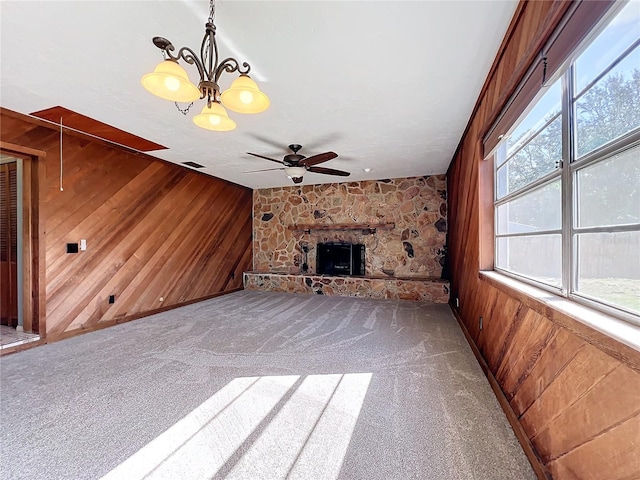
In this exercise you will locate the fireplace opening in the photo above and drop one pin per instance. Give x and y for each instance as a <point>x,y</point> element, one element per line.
<point>337,258</point>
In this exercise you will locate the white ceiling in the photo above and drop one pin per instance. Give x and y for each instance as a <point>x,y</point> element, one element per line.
<point>387,85</point>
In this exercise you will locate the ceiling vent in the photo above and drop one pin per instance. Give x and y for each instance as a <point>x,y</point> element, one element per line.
<point>193,164</point>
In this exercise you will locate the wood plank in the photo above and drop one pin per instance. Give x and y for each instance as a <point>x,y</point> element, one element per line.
<point>107,256</point>
<point>553,359</point>
<point>611,456</point>
<point>592,414</point>
<point>30,324</point>
<point>342,226</point>
<point>527,356</point>
<point>587,368</point>
<point>144,239</point>
<point>161,248</point>
<point>506,313</point>
<point>106,225</point>
<point>97,128</point>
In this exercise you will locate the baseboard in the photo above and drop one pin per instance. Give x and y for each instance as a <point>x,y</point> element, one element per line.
<point>21,347</point>
<point>55,337</point>
<point>540,470</point>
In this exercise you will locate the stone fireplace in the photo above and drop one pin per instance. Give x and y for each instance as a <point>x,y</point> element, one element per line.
<point>399,223</point>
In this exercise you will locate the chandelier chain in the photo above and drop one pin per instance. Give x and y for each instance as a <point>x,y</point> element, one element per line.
<point>212,10</point>
<point>184,111</point>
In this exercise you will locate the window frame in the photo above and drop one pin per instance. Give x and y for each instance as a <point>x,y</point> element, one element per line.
<point>567,171</point>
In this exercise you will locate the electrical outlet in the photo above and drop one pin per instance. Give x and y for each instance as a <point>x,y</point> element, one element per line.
<point>112,299</point>
<point>480,323</point>
<point>161,299</point>
<point>83,245</point>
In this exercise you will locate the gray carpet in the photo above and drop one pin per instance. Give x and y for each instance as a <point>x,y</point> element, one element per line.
<point>258,385</point>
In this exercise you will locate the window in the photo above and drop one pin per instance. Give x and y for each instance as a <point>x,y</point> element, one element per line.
<point>567,177</point>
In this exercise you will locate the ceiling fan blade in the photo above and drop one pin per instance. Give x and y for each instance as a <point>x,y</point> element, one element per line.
<point>322,140</point>
<point>328,171</point>
<point>264,170</point>
<point>266,158</point>
<point>269,141</point>
<point>315,159</point>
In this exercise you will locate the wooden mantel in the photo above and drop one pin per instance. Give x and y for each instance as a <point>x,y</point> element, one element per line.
<point>372,227</point>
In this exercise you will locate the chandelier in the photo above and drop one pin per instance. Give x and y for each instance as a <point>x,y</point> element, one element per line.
<point>171,82</point>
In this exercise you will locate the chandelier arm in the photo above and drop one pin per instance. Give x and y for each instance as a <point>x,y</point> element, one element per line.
<point>209,52</point>
<point>231,65</point>
<point>191,58</point>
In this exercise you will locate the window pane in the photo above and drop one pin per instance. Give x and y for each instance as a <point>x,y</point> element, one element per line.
<point>544,109</point>
<point>610,44</point>
<point>609,268</point>
<point>540,209</point>
<point>538,257</point>
<point>501,182</point>
<point>539,157</point>
<point>611,107</point>
<point>609,191</point>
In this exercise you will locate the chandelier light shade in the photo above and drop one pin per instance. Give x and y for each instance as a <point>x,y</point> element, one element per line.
<point>171,82</point>
<point>214,117</point>
<point>244,96</point>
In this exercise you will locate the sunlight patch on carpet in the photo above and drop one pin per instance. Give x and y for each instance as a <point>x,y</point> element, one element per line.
<point>258,427</point>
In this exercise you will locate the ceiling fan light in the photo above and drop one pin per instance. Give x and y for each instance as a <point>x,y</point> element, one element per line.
<point>244,96</point>
<point>170,81</point>
<point>294,172</point>
<point>215,118</point>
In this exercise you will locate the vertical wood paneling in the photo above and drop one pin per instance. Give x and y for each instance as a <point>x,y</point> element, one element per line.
<point>579,405</point>
<point>153,230</point>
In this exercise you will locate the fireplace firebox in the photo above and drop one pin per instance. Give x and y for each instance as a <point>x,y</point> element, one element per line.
<point>338,258</point>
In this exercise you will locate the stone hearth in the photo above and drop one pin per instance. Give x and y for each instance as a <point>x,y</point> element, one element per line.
<point>422,289</point>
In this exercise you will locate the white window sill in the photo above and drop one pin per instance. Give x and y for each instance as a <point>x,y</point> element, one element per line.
<point>616,337</point>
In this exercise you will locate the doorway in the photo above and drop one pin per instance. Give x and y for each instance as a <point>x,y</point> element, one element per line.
<point>21,242</point>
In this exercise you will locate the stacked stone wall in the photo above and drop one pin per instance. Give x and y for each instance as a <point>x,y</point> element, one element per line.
<point>414,248</point>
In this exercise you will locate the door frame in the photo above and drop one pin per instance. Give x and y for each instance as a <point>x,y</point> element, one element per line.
<point>33,236</point>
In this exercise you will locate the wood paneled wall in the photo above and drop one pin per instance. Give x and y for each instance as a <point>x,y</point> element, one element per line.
<point>578,403</point>
<point>154,230</point>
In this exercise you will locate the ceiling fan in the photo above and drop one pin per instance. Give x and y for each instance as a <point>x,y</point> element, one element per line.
<point>296,165</point>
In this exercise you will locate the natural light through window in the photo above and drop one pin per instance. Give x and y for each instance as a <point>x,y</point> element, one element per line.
<point>567,177</point>
<point>258,427</point>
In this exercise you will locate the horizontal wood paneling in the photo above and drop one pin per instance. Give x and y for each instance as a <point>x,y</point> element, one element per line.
<point>578,403</point>
<point>154,230</point>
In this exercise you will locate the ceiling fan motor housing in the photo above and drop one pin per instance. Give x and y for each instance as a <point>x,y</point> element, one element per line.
<point>293,159</point>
